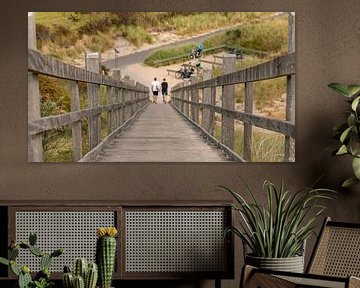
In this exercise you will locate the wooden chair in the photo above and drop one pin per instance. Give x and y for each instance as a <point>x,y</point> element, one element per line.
<point>335,262</point>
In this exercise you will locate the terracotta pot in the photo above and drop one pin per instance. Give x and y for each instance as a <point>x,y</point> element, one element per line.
<point>291,264</point>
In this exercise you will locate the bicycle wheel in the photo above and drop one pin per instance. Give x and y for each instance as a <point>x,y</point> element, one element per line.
<point>191,56</point>
<point>198,54</point>
<point>178,74</point>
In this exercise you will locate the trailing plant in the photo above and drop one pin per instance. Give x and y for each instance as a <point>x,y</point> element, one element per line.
<point>279,229</point>
<point>42,278</point>
<point>349,132</point>
<point>84,275</point>
<point>105,254</point>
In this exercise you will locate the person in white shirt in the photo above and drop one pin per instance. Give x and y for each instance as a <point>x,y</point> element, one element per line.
<point>155,88</point>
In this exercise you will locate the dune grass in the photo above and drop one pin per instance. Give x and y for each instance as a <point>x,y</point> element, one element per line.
<point>269,35</point>
<point>266,146</point>
<point>67,35</point>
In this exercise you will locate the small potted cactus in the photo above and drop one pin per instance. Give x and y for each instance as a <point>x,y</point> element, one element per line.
<point>106,254</point>
<point>42,278</point>
<point>85,275</point>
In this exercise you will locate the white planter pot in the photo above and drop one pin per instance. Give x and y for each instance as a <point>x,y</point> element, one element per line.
<point>291,264</point>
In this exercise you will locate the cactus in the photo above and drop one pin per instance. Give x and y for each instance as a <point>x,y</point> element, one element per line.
<point>32,238</point>
<point>14,268</point>
<point>105,254</point>
<point>57,252</point>
<point>36,251</point>
<point>45,261</point>
<point>4,261</point>
<point>91,276</point>
<point>80,267</point>
<point>79,282</point>
<point>13,253</point>
<point>87,272</point>
<point>24,278</point>
<point>68,280</point>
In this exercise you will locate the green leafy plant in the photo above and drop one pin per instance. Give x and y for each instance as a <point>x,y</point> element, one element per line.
<point>42,278</point>
<point>349,132</point>
<point>279,229</point>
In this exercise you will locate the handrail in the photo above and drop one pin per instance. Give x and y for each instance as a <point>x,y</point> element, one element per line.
<point>124,99</point>
<point>186,100</point>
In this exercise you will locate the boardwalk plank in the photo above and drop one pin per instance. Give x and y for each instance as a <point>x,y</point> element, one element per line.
<point>161,135</point>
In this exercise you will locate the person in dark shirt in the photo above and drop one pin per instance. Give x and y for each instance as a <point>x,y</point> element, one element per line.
<point>164,89</point>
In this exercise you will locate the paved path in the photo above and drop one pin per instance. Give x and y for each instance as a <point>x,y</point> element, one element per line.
<point>161,135</point>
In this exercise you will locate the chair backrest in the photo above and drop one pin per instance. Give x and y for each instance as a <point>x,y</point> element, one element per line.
<point>337,251</point>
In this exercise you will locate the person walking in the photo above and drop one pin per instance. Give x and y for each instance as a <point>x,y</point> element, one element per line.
<point>164,89</point>
<point>155,88</point>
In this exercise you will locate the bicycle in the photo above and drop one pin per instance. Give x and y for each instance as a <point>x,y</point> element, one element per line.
<point>183,73</point>
<point>195,53</point>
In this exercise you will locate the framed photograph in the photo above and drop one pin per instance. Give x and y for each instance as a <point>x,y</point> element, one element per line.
<point>161,87</point>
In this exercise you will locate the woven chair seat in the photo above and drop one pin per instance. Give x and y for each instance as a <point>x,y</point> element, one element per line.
<point>335,262</point>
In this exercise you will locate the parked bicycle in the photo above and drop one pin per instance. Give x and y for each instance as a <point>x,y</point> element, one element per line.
<point>184,73</point>
<point>197,52</point>
<point>238,53</point>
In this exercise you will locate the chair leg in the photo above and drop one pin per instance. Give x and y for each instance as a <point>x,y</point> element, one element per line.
<point>246,274</point>
<point>354,282</point>
<point>250,278</point>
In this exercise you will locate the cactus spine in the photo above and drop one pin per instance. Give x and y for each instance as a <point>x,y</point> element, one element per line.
<point>105,255</point>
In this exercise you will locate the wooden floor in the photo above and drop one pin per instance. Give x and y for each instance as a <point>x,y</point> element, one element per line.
<point>160,134</point>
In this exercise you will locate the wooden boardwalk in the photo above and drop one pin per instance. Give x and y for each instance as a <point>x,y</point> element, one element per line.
<point>160,134</point>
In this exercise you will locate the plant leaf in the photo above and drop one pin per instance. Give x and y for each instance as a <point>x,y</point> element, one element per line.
<point>342,150</point>
<point>356,167</point>
<point>349,182</point>
<point>355,103</point>
<point>340,88</point>
<point>353,89</point>
<point>345,134</point>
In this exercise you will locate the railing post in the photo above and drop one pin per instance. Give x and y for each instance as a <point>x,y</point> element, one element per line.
<point>181,95</point>
<point>228,102</point>
<point>290,94</point>
<point>212,112</point>
<point>247,126</point>
<point>126,98</point>
<point>93,91</point>
<point>206,100</point>
<point>35,146</point>
<point>76,126</point>
<point>195,100</point>
<point>132,97</point>
<point>110,114</point>
<point>187,93</point>
<point>120,96</point>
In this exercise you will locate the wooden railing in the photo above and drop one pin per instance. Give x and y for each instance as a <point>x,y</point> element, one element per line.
<point>124,100</point>
<point>186,99</point>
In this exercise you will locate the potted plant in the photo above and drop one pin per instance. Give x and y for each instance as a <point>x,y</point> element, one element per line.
<point>42,278</point>
<point>276,233</point>
<point>348,132</point>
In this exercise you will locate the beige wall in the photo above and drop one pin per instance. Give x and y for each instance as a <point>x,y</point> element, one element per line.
<point>327,50</point>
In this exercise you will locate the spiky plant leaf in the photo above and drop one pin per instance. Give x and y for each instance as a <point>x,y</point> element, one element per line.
<point>341,89</point>
<point>280,228</point>
<point>351,181</point>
